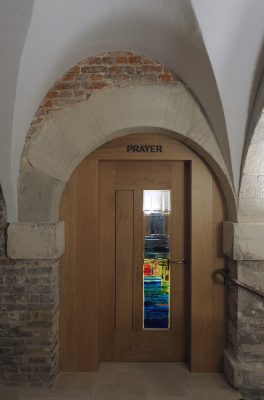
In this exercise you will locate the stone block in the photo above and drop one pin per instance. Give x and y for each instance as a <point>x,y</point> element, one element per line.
<point>244,375</point>
<point>252,273</point>
<point>251,210</point>
<point>35,240</point>
<point>39,196</point>
<point>53,151</point>
<point>242,240</point>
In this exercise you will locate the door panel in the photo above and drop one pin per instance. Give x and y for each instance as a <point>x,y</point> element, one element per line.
<point>123,341</point>
<point>124,244</point>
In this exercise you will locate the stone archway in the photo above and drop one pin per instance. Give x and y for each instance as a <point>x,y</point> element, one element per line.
<point>67,135</point>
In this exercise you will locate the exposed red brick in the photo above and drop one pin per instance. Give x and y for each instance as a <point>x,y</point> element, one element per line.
<point>59,85</point>
<point>52,94</point>
<point>151,68</point>
<point>121,60</point>
<point>88,69</point>
<point>108,60</point>
<point>129,70</point>
<point>98,85</point>
<point>134,59</point>
<point>165,77</point>
<point>96,77</point>
<point>75,70</point>
<point>116,68</point>
<point>47,103</point>
<point>95,60</point>
<point>69,76</point>
<point>81,77</point>
<point>95,73</point>
<point>64,85</point>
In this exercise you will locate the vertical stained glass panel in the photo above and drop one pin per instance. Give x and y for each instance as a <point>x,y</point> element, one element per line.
<point>156,274</point>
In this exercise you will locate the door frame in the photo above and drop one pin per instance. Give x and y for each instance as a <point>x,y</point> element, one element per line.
<point>201,180</point>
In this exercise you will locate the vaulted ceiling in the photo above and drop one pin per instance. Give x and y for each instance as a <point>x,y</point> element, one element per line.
<point>215,47</point>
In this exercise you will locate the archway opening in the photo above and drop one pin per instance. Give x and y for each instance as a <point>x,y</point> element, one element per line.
<point>95,323</point>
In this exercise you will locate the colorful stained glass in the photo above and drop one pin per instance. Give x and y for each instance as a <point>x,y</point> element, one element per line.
<point>156,274</point>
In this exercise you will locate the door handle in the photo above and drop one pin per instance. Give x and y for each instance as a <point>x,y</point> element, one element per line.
<point>179,261</point>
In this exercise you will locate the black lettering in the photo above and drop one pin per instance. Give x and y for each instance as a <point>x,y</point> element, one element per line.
<point>144,148</point>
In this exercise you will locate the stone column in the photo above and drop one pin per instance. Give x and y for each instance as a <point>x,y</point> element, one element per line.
<point>244,359</point>
<point>29,331</point>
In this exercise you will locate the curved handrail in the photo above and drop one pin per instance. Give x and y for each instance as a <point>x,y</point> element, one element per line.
<point>232,281</point>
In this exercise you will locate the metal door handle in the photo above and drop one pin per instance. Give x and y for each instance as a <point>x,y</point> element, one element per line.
<point>179,261</point>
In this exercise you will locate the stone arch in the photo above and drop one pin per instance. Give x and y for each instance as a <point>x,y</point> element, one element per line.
<point>101,98</point>
<point>69,135</point>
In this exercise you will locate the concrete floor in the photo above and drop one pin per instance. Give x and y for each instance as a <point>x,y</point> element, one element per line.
<point>130,381</point>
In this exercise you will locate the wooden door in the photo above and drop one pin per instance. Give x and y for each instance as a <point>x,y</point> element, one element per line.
<point>83,342</point>
<point>126,332</point>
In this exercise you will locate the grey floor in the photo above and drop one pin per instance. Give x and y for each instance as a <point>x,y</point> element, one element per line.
<point>130,381</point>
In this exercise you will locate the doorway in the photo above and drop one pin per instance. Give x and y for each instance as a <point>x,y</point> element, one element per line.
<point>111,258</point>
<point>142,245</point>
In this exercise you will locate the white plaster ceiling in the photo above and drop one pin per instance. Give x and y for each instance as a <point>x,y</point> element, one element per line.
<point>213,46</point>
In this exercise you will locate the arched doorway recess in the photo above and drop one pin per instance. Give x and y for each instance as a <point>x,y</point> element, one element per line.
<point>69,133</point>
<point>101,271</point>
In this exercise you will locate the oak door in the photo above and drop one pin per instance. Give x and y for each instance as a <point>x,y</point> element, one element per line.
<point>142,286</point>
<point>88,333</point>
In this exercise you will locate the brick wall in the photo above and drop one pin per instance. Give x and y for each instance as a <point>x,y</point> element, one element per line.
<point>29,317</point>
<point>29,321</point>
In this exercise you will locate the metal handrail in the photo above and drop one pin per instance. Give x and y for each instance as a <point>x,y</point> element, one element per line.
<point>234,282</point>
